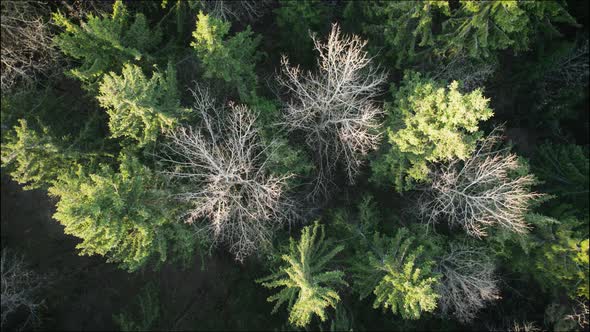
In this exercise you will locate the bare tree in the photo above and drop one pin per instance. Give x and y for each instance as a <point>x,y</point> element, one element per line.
<point>238,10</point>
<point>334,106</point>
<point>480,192</point>
<point>228,181</point>
<point>27,50</point>
<point>468,282</point>
<point>20,289</point>
<point>580,314</point>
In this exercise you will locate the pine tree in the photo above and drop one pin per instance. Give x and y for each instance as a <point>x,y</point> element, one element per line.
<point>139,107</point>
<point>397,273</point>
<point>231,59</point>
<point>104,43</point>
<point>121,215</point>
<point>428,123</point>
<point>307,286</point>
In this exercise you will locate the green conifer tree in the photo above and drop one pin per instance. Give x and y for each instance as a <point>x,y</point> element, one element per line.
<point>32,159</point>
<point>397,273</point>
<point>139,107</point>
<point>307,286</point>
<point>121,215</point>
<point>231,59</point>
<point>479,28</point>
<point>564,169</point>
<point>104,43</point>
<point>428,123</point>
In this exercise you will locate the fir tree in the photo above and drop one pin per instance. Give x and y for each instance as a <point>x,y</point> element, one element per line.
<point>307,286</point>
<point>397,273</point>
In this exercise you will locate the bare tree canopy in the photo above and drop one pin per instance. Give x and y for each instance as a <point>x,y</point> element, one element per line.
<point>468,282</point>
<point>20,287</point>
<point>224,165</point>
<point>27,49</point>
<point>334,106</point>
<point>484,191</point>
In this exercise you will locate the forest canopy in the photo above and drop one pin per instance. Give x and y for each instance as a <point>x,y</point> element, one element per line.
<point>296,165</point>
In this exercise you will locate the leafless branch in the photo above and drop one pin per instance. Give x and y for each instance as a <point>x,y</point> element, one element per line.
<point>580,314</point>
<point>462,68</point>
<point>483,192</point>
<point>223,164</point>
<point>468,282</point>
<point>334,106</point>
<point>27,49</point>
<point>20,287</point>
<point>238,10</point>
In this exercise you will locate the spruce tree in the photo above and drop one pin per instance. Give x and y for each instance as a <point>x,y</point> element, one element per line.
<point>124,215</point>
<point>32,159</point>
<point>231,59</point>
<point>103,43</point>
<point>140,108</point>
<point>306,284</point>
<point>397,273</point>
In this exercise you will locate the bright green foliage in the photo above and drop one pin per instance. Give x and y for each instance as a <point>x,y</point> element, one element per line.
<point>231,59</point>
<point>307,286</point>
<point>144,313</point>
<point>397,274</point>
<point>104,43</point>
<point>404,27</point>
<point>296,19</point>
<point>123,216</point>
<point>32,158</point>
<point>479,28</point>
<point>564,169</point>
<point>139,107</point>
<point>428,123</point>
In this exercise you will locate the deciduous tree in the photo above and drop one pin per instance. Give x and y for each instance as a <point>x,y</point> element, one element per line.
<point>484,190</point>
<point>334,107</point>
<point>223,166</point>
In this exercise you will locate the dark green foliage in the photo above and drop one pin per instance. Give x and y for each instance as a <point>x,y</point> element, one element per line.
<point>140,108</point>
<point>479,29</point>
<point>124,216</point>
<point>449,63</point>
<point>296,20</point>
<point>560,252</point>
<point>144,314</point>
<point>403,28</point>
<point>104,43</point>
<point>564,170</point>
<point>306,285</point>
